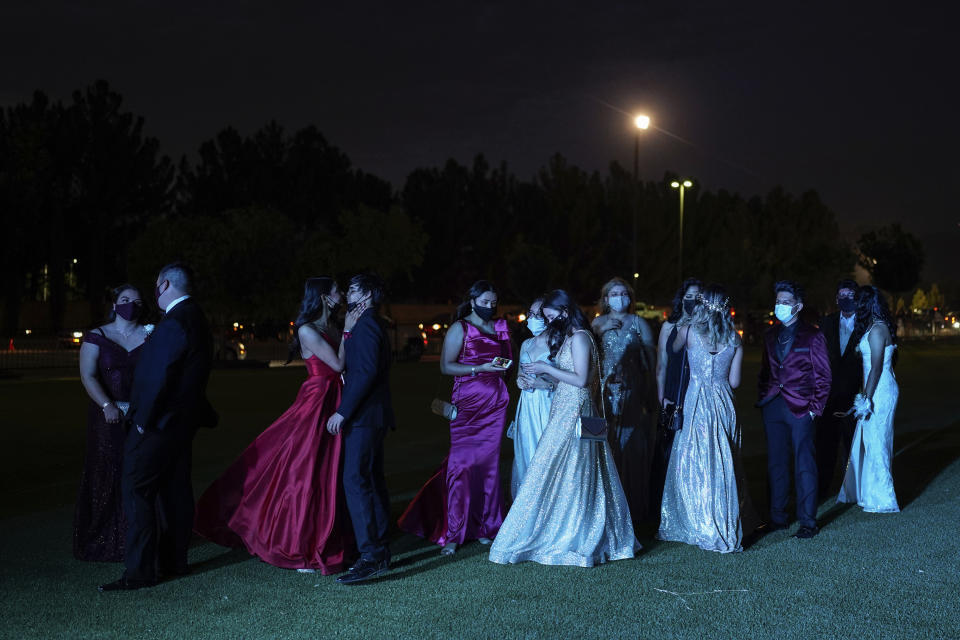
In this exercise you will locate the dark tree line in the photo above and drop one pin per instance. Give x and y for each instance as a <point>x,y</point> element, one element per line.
<point>258,213</point>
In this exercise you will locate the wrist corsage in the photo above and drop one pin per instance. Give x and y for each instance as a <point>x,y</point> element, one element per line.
<point>862,407</point>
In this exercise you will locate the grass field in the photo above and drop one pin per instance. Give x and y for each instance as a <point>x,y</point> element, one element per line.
<point>865,575</point>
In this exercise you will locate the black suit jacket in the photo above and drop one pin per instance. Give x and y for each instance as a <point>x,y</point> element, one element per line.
<point>365,400</point>
<point>170,381</point>
<point>846,368</point>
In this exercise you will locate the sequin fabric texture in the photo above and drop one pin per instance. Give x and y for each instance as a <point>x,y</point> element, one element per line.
<point>571,509</point>
<point>704,490</point>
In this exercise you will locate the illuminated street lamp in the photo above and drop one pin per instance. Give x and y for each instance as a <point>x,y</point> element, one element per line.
<point>642,123</point>
<point>682,186</point>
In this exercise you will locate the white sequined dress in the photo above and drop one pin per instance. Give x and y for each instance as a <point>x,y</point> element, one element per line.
<point>571,509</point>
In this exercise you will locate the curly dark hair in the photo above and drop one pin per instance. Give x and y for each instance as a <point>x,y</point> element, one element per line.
<point>871,308</point>
<point>677,310</point>
<point>561,327</point>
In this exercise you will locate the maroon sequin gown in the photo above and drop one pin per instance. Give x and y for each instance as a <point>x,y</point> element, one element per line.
<point>98,523</point>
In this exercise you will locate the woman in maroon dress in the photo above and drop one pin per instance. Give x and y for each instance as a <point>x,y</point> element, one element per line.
<point>108,356</point>
<point>463,500</point>
<point>282,498</point>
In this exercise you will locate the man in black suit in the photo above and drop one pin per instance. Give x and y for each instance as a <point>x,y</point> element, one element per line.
<point>836,432</point>
<point>364,415</point>
<point>168,403</point>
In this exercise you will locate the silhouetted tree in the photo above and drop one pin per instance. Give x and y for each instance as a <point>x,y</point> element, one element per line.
<point>892,256</point>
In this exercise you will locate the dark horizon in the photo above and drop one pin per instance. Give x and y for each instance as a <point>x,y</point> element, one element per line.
<point>850,104</point>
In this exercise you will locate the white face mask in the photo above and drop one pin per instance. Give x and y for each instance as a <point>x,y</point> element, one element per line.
<point>536,325</point>
<point>783,312</point>
<point>619,303</point>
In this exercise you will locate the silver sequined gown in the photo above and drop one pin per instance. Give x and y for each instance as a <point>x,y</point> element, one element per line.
<point>630,394</point>
<point>570,509</point>
<point>703,497</point>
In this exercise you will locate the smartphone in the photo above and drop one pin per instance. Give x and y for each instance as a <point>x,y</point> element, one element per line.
<point>502,363</point>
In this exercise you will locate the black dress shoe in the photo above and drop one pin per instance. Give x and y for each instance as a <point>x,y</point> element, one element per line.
<point>770,527</point>
<point>123,584</point>
<point>364,570</point>
<point>806,532</point>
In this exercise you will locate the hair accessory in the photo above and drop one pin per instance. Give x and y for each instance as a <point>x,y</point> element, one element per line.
<point>716,308</point>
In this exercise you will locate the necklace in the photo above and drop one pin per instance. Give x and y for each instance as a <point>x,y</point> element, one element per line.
<point>128,333</point>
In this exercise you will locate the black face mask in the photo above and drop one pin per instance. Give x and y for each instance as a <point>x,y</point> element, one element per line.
<point>333,306</point>
<point>847,304</point>
<point>129,311</point>
<point>485,313</point>
<point>352,305</point>
<point>688,306</point>
<point>557,323</point>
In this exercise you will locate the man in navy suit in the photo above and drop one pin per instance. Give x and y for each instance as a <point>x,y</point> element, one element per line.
<point>794,385</point>
<point>168,403</point>
<point>364,415</point>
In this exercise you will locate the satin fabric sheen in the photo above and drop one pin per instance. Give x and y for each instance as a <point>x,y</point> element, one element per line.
<point>463,501</point>
<point>868,480</point>
<point>99,525</point>
<point>282,498</point>
<point>571,509</point>
<point>533,410</point>
<point>705,493</point>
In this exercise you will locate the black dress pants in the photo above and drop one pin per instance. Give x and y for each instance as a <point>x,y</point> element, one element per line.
<point>790,439</point>
<point>157,500</point>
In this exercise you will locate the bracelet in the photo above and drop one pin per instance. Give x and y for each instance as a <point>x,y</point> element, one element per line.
<point>473,372</point>
<point>106,404</point>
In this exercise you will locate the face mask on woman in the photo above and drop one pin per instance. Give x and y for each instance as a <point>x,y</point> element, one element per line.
<point>619,303</point>
<point>129,311</point>
<point>689,304</point>
<point>485,313</point>
<point>536,324</point>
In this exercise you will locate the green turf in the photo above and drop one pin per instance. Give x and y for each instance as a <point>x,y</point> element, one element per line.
<point>864,576</point>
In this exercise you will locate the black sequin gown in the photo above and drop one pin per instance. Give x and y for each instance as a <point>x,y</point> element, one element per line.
<point>98,523</point>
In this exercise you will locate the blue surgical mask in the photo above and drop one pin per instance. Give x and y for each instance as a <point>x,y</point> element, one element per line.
<point>619,303</point>
<point>536,325</point>
<point>783,312</point>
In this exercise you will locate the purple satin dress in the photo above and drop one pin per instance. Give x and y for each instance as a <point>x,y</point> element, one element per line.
<point>463,500</point>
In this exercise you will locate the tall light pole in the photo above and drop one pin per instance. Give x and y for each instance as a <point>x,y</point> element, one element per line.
<point>686,184</point>
<point>642,123</point>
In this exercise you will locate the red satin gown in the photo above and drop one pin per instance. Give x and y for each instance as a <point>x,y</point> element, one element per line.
<point>282,498</point>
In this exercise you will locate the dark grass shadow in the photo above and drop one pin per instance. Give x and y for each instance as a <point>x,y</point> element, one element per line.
<point>920,460</point>
<point>225,559</point>
<point>409,566</point>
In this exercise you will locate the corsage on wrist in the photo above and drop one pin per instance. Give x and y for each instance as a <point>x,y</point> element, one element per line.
<point>861,406</point>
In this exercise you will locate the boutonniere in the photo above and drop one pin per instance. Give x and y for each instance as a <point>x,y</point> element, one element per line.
<point>148,329</point>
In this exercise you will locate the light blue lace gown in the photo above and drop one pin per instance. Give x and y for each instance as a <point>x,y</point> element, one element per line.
<point>533,410</point>
<point>705,493</point>
<point>570,509</point>
<point>868,480</point>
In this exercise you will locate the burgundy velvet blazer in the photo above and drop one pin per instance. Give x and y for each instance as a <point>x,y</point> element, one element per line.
<point>803,378</point>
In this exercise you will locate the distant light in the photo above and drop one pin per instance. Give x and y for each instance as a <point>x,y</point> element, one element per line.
<point>74,261</point>
<point>28,331</point>
<point>642,122</point>
<point>420,326</point>
<point>521,317</point>
<point>675,184</point>
<point>687,184</point>
<point>291,323</point>
<point>236,325</point>
<point>435,327</point>
<point>636,275</point>
<point>77,334</point>
<point>874,261</point>
<point>446,326</point>
<point>596,315</point>
<point>740,332</point>
<point>956,325</point>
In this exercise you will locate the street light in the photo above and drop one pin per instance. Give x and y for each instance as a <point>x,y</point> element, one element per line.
<point>683,186</point>
<point>642,123</point>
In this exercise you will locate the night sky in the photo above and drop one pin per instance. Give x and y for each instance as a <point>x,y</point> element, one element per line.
<point>858,105</point>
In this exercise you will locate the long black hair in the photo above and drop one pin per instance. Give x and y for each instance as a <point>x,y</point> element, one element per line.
<point>478,288</point>
<point>677,311</point>
<point>313,308</point>
<point>561,327</point>
<point>871,308</point>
